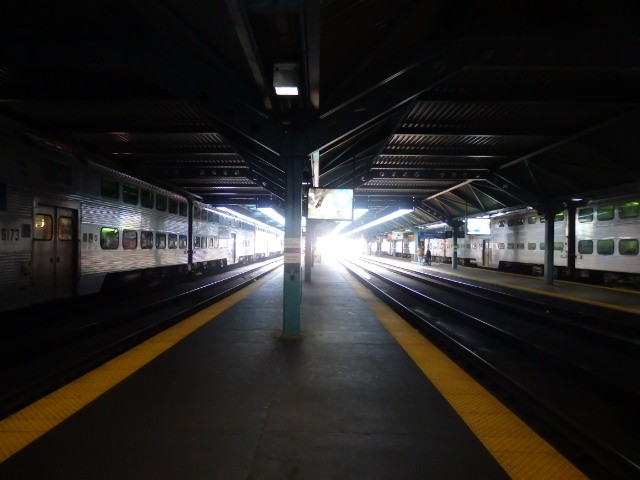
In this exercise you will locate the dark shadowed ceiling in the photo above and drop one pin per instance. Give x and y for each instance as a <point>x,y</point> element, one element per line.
<point>453,108</point>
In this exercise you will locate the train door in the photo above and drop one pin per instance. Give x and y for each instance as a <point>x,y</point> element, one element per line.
<point>54,252</point>
<point>233,248</point>
<point>486,251</point>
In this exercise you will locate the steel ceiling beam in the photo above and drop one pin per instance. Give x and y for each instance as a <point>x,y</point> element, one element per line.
<point>310,38</point>
<point>242,25</point>
<point>383,99</point>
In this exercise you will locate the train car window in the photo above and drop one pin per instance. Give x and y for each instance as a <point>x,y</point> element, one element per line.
<point>146,240</point>
<point>129,194</point>
<point>172,206</point>
<point>559,217</point>
<point>532,219</point>
<point>129,239</point>
<point>183,208</point>
<point>585,215</point>
<point>531,246</point>
<point>585,247</point>
<point>182,241</point>
<point>605,247</point>
<point>146,198</point>
<point>43,228</point>
<point>629,210</point>
<point>543,219</point>
<point>628,246</point>
<point>501,223</point>
<point>173,241</point>
<point>65,229</point>
<point>216,242</point>
<point>510,246</point>
<point>501,246</point>
<point>211,242</point>
<point>215,218</point>
<point>109,238</point>
<point>558,246</point>
<point>161,203</point>
<point>542,246</point>
<point>161,240</point>
<point>109,188</point>
<point>196,213</point>
<point>605,212</point>
<point>520,246</point>
<point>196,242</point>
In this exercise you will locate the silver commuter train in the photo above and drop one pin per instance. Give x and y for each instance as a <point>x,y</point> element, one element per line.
<point>607,242</point>
<point>70,227</point>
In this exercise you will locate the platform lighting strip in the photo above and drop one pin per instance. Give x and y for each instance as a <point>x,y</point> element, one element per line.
<point>386,218</point>
<point>357,213</point>
<point>272,214</point>
<point>233,214</point>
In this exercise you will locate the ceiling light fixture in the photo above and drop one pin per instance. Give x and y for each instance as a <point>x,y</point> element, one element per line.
<point>272,214</point>
<point>285,78</point>
<point>386,218</point>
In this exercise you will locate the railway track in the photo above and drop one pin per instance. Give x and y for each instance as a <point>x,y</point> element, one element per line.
<point>570,374</point>
<point>44,352</point>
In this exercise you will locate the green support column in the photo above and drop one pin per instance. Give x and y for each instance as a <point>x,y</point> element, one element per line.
<point>571,241</point>
<point>455,225</point>
<point>293,246</point>
<point>548,246</point>
<point>309,243</point>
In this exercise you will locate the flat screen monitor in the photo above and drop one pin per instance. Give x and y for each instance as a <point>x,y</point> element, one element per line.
<point>478,226</point>
<point>330,203</point>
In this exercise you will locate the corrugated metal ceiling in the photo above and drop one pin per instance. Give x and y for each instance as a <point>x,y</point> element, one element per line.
<point>455,108</point>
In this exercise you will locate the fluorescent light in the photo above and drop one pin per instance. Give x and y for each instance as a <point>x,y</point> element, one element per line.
<point>386,218</point>
<point>292,91</point>
<point>285,78</point>
<point>272,214</point>
<point>233,214</point>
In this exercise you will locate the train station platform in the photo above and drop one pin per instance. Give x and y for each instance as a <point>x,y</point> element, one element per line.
<point>359,395</point>
<point>618,299</point>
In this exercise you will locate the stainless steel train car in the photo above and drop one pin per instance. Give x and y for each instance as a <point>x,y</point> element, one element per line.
<point>607,233</point>
<point>70,227</point>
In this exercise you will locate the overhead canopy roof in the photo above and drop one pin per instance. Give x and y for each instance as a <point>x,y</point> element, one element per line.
<point>454,108</point>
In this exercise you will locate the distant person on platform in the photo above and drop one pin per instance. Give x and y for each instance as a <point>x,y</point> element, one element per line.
<point>420,255</point>
<point>427,257</point>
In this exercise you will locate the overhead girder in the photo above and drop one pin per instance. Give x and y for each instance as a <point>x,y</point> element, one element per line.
<point>240,19</point>
<point>207,83</point>
<point>381,100</point>
<point>394,172</point>
<point>310,41</point>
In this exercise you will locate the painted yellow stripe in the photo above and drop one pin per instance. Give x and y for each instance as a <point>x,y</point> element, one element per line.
<point>20,429</point>
<point>521,452</point>
<point>573,298</point>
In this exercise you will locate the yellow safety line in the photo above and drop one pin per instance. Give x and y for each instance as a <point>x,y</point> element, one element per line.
<point>23,427</point>
<point>587,301</point>
<point>521,452</point>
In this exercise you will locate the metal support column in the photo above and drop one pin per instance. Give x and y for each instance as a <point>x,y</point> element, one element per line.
<point>571,241</point>
<point>309,246</point>
<point>455,225</point>
<point>548,247</point>
<point>293,246</point>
